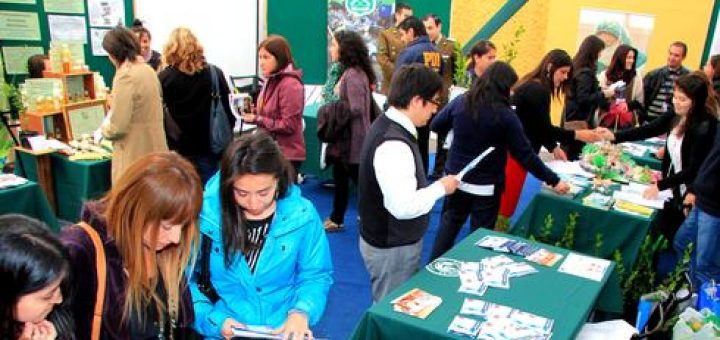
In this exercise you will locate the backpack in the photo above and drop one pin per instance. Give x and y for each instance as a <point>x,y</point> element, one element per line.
<point>221,133</point>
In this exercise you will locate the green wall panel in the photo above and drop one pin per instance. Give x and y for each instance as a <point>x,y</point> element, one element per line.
<point>99,64</point>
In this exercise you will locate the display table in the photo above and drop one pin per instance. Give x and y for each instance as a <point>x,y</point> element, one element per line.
<point>648,158</point>
<point>73,182</point>
<point>620,231</point>
<point>29,200</point>
<point>565,298</point>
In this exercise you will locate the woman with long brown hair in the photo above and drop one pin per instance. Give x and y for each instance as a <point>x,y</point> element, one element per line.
<point>627,99</point>
<point>148,227</point>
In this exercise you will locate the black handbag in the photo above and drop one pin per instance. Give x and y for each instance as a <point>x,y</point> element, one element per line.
<point>172,130</point>
<point>203,276</point>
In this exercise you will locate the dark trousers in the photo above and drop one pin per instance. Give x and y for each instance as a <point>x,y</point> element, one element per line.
<point>440,156</point>
<point>483,211</point>
<point>424,145</point>
<point>206,165</point>
<point>342,174</point>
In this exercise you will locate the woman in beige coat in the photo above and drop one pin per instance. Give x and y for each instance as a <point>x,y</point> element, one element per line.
<point>135,123</point>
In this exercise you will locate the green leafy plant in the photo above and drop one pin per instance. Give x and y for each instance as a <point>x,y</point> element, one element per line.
<point>502,224</point>
<point>568,239</point>
<point>510,49</point>
<point>460,77</point>
<point>619,264</point>
<point>598,244</point>
<point>14,98</point>
<point>641,280</point>
<point>676,279</point>
<point>545,234</point>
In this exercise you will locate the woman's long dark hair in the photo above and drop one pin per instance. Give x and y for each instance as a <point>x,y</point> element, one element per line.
<point>491,89</point>
<point>697,87</point>
<point>545,71</point>
<point>354,53</point>
<point>31,258</point>
<point>251,154</point>
<point>588,54</point>
<point>616,70</point>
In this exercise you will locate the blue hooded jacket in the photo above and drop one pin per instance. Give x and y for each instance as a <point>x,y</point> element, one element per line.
<point>294,270</point>
<point>423,51</point>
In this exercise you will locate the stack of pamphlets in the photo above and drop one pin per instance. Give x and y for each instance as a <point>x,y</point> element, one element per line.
<point>584,266</point>
<point>529,251</point>
<point>417,303</point>
<point>597,200</point>
<point>496,271</point>
<point>498,322</point>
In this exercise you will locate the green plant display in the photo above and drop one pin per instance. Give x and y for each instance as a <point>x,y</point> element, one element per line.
<point>598,244</point>
<point>619,264</point>
<point>460,77</point>
<point>12,93</point>
<point>568,238</point>
<point>510,49</point>
<point>641,279</point>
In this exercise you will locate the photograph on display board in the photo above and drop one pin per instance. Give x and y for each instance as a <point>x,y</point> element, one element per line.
<point>616,28</point>
<point>366,17</point>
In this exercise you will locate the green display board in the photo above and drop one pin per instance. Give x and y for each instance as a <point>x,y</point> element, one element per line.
<point>304,24</point>
<point>96,63</point>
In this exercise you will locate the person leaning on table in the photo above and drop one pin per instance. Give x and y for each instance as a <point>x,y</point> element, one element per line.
<point>394,198</point>
<point>691,127</point>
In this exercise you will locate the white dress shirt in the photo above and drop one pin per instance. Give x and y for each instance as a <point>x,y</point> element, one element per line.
<point>394,166</point>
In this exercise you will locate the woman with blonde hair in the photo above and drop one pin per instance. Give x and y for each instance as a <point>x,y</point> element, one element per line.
<point>187,88</point>
<point>147,227</point>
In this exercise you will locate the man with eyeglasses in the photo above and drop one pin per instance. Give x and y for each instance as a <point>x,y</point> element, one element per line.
<point>394,198</point>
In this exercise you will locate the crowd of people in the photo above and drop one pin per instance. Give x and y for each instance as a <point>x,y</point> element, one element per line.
<point>194,242</point>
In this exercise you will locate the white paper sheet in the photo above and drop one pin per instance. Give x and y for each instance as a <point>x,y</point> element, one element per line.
<point>568,168</point>
<point>69,28</point>
<point>584,266</point>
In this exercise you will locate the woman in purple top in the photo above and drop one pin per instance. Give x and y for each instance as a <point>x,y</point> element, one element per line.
<point>355,89</point>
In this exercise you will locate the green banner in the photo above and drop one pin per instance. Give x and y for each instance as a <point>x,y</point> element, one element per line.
<point>16,57</point>
<point>65,6</point>
<point>19,26</point>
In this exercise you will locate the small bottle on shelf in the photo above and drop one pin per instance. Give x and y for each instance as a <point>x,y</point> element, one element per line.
<point>66,58</point>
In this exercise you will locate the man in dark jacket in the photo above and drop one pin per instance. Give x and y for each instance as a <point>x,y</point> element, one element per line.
<point>421,50</point>
<point>702,226</point>
<point>658,83</point>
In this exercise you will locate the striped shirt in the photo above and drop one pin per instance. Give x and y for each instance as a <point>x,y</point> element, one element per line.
<point>663,100</point>
<point>257,231</point>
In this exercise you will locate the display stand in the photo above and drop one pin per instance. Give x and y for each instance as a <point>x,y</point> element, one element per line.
<point>63,124</point>
<point>44,172</point>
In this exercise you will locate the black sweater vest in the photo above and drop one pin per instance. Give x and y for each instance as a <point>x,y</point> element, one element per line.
<point>378,227</point>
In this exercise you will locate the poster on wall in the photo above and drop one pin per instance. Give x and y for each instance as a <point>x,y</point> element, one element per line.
<point>366,17</point>
<point>616,28</point>
<point>67,28</point>
<point>64,6</point>
<point>19,26</point>
<point>106,13</point>
<point>16,57</point>
<point>96,38</point>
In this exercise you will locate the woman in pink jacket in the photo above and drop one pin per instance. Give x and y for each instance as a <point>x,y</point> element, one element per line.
<point>281,101</point>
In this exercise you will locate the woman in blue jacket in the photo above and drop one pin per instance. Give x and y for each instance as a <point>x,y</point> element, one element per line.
<point>267,254</point>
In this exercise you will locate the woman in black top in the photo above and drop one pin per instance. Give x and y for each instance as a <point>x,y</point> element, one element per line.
<point>691,128</point>
<point>187,93</point>
<point>584,95</point>
<point>482,118</point>
<point>531,99</point>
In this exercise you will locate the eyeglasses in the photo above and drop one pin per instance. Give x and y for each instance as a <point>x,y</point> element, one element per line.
<point>435,101</point>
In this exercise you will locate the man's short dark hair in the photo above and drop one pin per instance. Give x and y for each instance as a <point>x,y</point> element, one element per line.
<point>414,23</point>
<point>413,80</point>
<point>681,45</point>
<point>435,18</point>
<point>401,6</point>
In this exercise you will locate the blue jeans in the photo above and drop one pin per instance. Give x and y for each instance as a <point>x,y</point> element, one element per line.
<point>703,230</point>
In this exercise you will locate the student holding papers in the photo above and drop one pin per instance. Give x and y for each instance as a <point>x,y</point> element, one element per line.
<point>482,119</point>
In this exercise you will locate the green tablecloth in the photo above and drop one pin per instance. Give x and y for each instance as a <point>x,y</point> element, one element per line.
<point>28,199</point>
<point>619,231</point>
<point>311,165</point>
<point>565,298</point>
<point>74,181</point>
<point>649,158</point>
